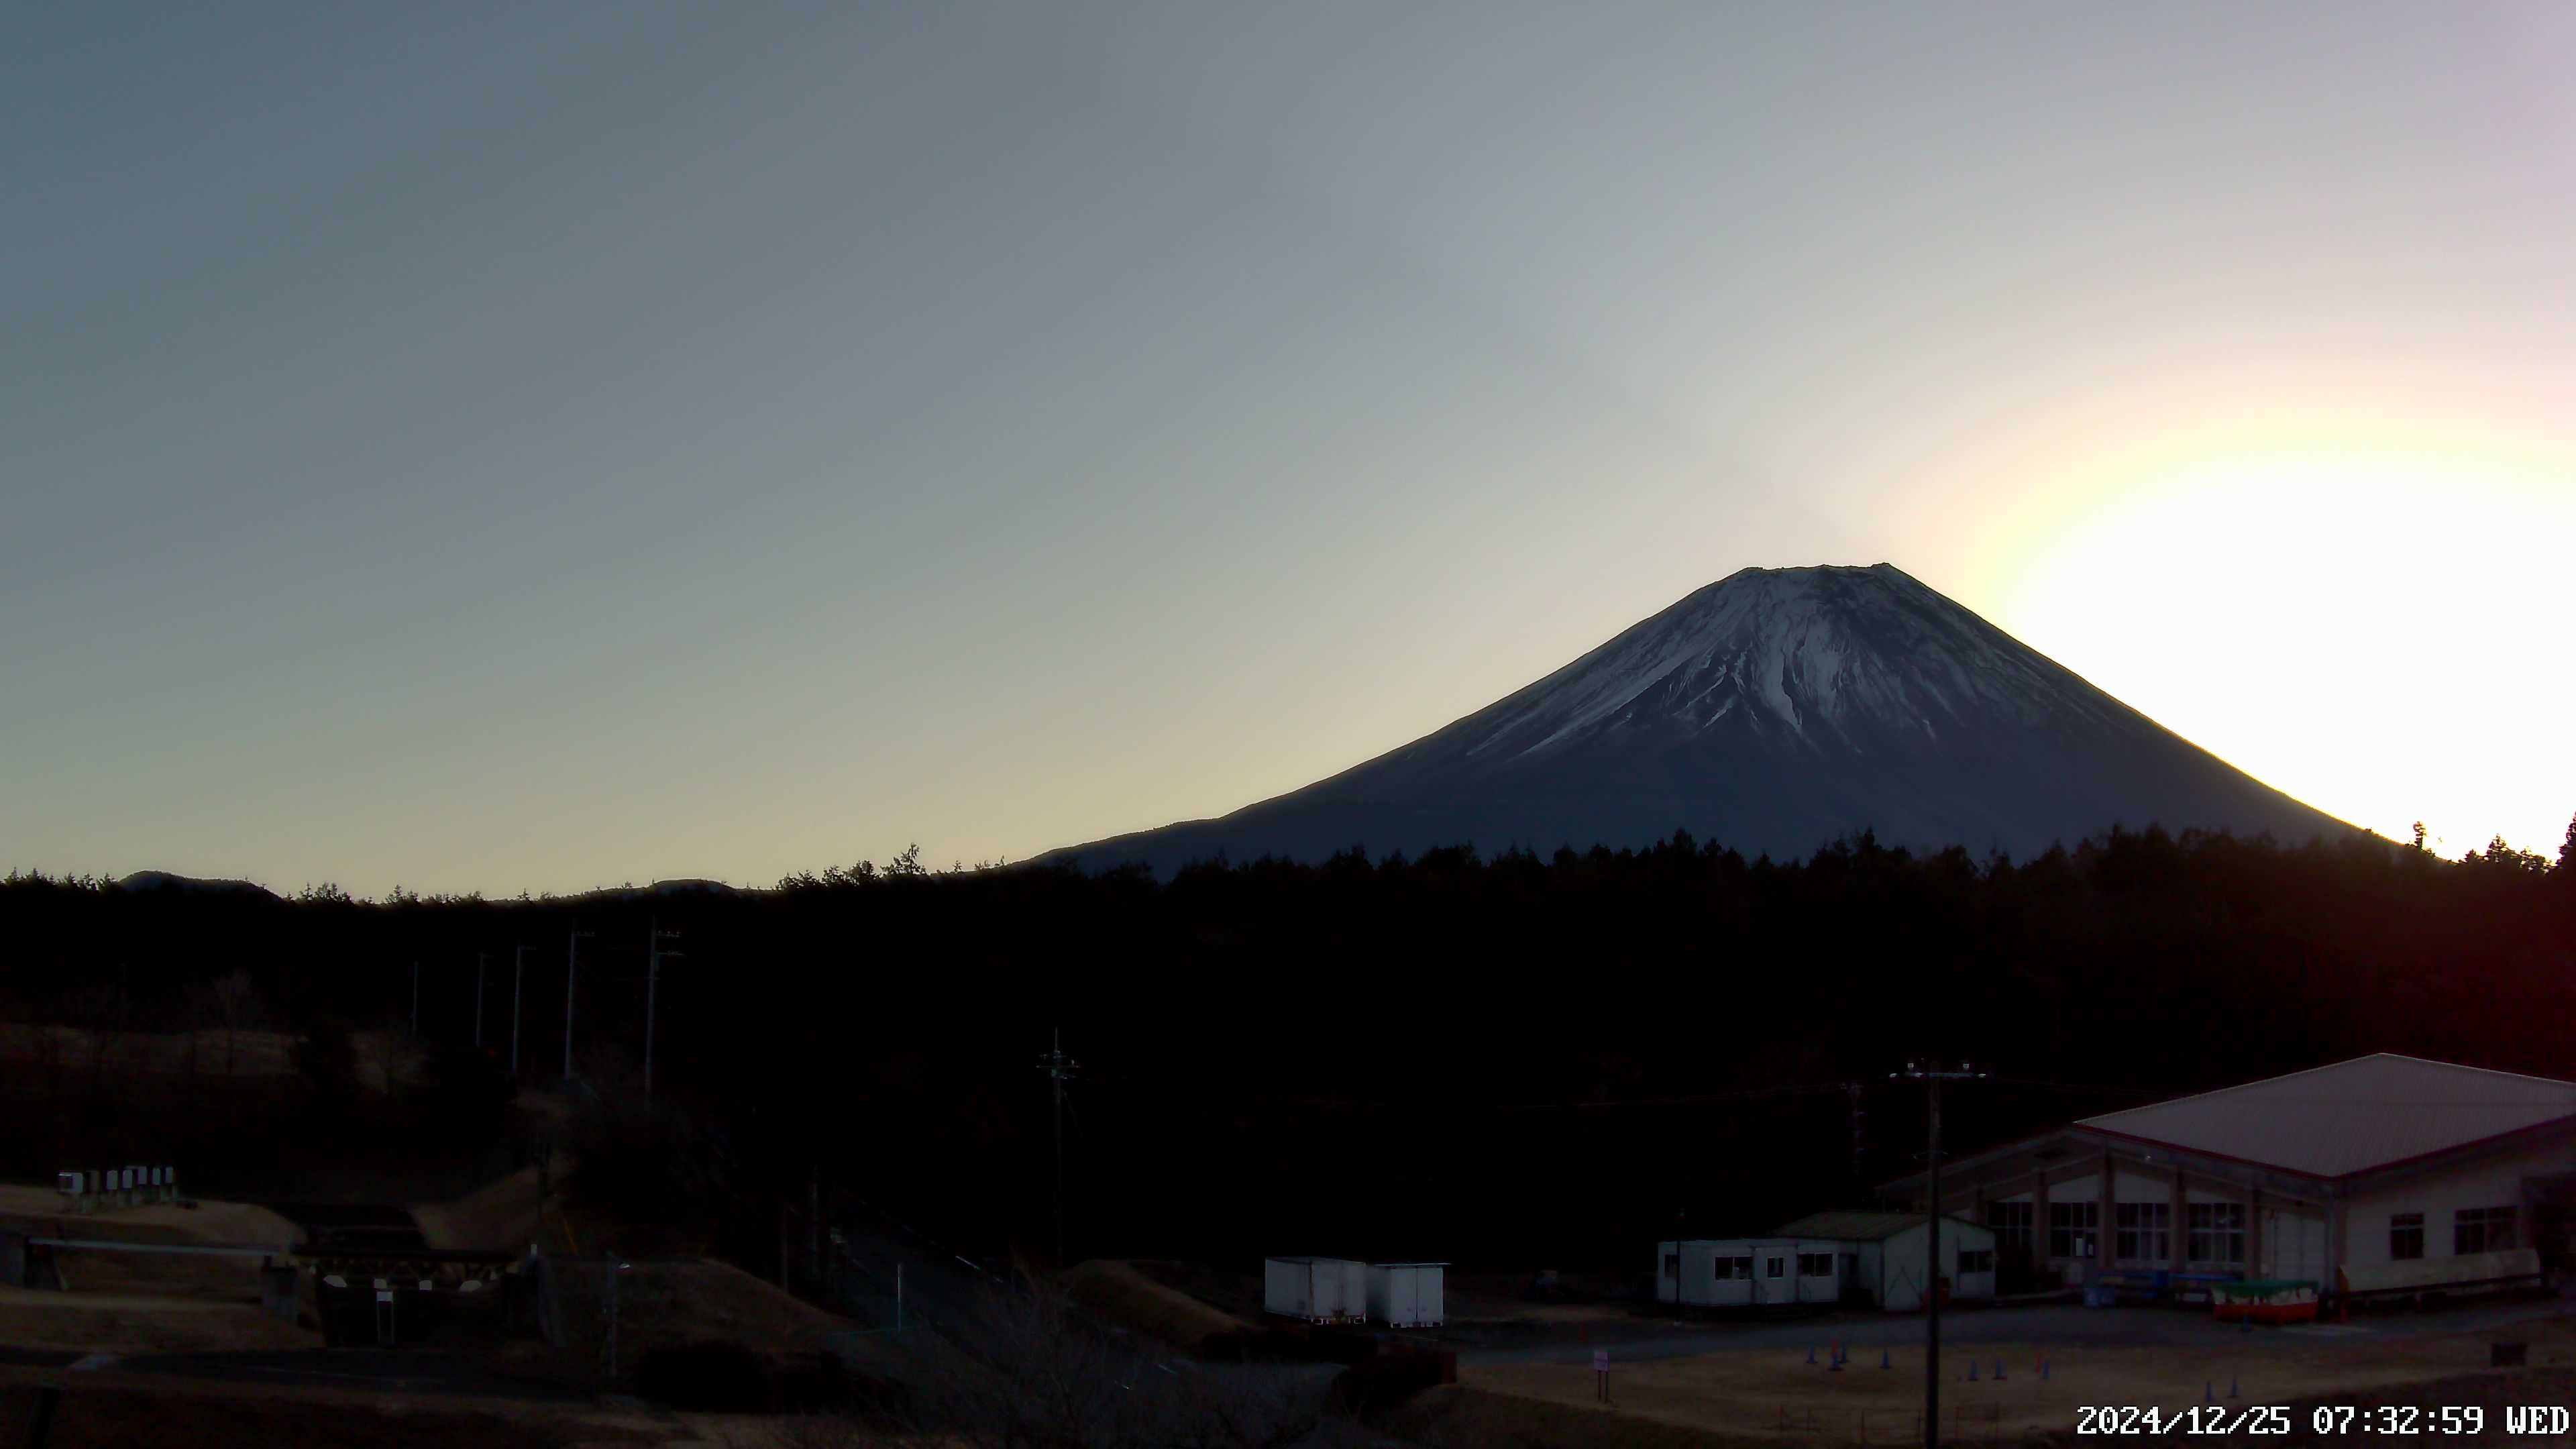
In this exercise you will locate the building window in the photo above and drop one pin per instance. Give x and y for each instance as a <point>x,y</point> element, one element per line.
<point>2071,1227</point>
<point>1672,1265</point>
<point>1779,1267</point>
<point>2406,1236</point>
<point>2011,1222</point>
<point>1976,1260</point>
<point>2145,1232</point>
<point>1738,1267</point>
<point>2482,1230</point>
<point>1815,1265</point>
<point>2217,1232</point>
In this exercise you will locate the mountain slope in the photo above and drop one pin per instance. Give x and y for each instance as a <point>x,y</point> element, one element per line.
<point>1772,711</point>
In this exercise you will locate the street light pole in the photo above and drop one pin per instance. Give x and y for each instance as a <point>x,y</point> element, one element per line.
<point>653,953</point>
<point>572,971</point>
<point>518,977</point>
<point>1932,1077</point>
<point>1061,1068</point>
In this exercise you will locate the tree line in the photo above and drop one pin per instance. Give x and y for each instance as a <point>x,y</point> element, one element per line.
<point>1508,1058</point>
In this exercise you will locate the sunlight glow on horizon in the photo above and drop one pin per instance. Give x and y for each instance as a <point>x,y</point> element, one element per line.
<point>2362,626</point>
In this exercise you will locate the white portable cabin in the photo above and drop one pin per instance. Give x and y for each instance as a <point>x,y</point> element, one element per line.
<point>1884,1251</point>
<point>1407,1295</point>
<point>1318,1290</point>
<point>1748,1272</point>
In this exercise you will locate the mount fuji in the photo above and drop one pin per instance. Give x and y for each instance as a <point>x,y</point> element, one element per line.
<point>1773,711</point>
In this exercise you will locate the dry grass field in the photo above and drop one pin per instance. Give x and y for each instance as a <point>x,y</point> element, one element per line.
<point>135,1302</point>
<point>1123,1293</point>
<point>1775,1394</point>
<point>503,1213</point>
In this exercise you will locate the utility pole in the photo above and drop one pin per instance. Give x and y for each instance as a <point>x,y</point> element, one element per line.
<point>478,1000</point>
<point>653,954</point>
<point>572,970</point>
<point>518,978</point>
<point>415,1001</point>
<point>1851,1090</point>
<point>1932,1077</point>
<point>1060,1068</point>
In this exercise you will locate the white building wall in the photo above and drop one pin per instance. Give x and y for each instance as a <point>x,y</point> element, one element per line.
<point>1700,1287</point>
<point>2493,1182</point>
<point>1901,1259</point>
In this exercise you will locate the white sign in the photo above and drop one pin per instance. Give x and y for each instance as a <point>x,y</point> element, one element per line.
<point>1601,1360</point>
<point>384,1297</point>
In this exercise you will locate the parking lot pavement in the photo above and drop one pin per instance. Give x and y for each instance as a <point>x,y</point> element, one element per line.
<point>1648,1338</point>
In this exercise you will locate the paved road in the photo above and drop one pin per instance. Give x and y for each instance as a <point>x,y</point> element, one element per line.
<point>1640,1339</point>
<point>405,1371</point>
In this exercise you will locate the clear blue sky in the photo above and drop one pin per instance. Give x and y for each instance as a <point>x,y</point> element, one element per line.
<point>507,446</point>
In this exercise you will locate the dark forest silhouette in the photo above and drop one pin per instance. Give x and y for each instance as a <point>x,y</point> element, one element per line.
<point>1517,1059</point>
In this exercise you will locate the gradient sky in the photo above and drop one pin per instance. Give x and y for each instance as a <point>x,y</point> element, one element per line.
<point>538,446</point>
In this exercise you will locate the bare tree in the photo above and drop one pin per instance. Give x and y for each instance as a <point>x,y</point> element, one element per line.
<point>237,1008</point>
<point>99,1013</point>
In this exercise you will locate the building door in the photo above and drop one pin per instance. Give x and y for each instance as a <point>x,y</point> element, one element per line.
<point>2551,1204</point>
<point>2293,1244</point>
<point>1777,1283</point>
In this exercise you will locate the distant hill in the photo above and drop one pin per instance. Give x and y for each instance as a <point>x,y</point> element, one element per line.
<point>162,880</point>
<point>1772,711</point>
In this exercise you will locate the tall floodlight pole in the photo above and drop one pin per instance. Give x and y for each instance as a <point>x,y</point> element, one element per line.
<point>478,1000</point>
<point>572,971</point>
<point>653,954</point>
<point>415,1001</point>
<point>1060,1068</point>
<point>518,978</point>
<point>1932,1078</point>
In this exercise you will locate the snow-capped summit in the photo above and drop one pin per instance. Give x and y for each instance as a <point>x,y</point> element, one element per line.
<point>1853,658</point>
<point>1772,711</point>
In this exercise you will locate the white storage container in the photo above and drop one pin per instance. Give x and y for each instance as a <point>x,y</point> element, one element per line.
<point>1407,1295</point>
<point>1318,1290</point>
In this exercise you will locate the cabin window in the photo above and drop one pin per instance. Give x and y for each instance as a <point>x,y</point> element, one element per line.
<point>1672,1265</point>
<point>1976,1260</point>
<point>2406,1236</point>
<point>2071,1228</point>
<point>2146,1232</point>
<point>2482,1230</point>
<point>1739,1267</point>
<point>2011,1222</point>
<point>1815,1265</point>
<point>2217,1232</point>
<point>1779,1267</point>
